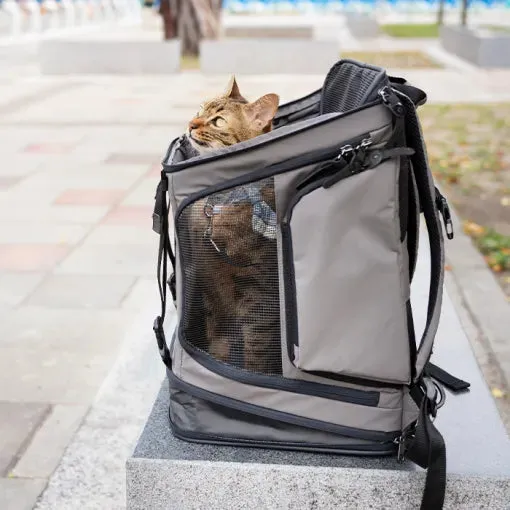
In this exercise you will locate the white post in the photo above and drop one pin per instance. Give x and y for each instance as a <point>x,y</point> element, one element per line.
<point>69,13</point>
<point>34,10</point>
<point>12,8</point>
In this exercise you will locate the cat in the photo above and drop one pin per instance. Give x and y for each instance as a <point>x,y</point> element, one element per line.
<point>233,245</point>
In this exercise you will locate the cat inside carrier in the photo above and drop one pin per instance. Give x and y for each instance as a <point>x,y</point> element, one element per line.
<point>292,258</point>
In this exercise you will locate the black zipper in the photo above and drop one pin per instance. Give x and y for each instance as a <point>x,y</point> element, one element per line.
<point>260,173</point>
<point>369,398</point>
<point>273,414</point>
<point>375,449</point>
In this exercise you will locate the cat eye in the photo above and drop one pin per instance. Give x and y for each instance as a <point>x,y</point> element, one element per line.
<point>218,122</point>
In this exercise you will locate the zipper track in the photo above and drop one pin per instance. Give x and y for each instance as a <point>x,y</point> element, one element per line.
<point>264,172</point>
<point>178,167</point>
<point>368,398</point>
<point>372,450</point>
<point>273,414</point>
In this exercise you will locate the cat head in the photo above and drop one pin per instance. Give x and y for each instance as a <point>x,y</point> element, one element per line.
<point>230,118</point>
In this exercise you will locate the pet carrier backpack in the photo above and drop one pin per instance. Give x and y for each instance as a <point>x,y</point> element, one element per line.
<point>294,255</point>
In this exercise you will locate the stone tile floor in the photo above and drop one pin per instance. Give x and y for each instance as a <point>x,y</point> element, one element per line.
<point>79,163</point>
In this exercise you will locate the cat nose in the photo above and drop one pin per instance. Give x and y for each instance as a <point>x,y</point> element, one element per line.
<point>195,124</point>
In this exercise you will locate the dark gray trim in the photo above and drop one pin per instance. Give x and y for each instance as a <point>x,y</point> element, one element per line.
<point>178,167</point>
<point>279,415</point>
<point>342,394</point>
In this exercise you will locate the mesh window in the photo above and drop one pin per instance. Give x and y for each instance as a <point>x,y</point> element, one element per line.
<point>349,85</point>
<point>229,260</point>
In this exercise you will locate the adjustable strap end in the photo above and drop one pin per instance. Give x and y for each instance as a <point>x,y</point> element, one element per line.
<point>161,341</point>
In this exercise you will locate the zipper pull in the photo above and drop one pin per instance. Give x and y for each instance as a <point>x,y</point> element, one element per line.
<point>391,100</point>
<point>444,209</point>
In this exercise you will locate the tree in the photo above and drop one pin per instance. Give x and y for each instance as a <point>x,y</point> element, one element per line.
<point>191,21</point>
<point>440,13</point>
<point>463,13</point>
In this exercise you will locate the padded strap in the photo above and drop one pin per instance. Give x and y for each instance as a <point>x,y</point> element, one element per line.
<point>416,95</point>
<point>446,379</point>
<point>426,196</point>
<point>428,450</point>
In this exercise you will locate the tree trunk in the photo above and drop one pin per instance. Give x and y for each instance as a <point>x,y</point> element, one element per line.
<point>440,13</point>
<point>191,21</point>
<point>463,13</point>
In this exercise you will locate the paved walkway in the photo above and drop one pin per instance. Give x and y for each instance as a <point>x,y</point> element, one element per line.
<point>79,165</point>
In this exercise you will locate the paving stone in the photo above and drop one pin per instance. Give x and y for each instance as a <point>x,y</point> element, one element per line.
<point>57,356</point>
<point>48,444</point>
<point>17,423</point>
<point>139,215</point>
<point>89,196</point>
<point>79,291</point>
<point>7,182</point>
<point>48,148</point>
<point>133,158</point>
<point>15,287</point>
<point>127,259</point>
<point>68,214</point>
<point>31,232</point>
<point>124,234</point>
<point>20,493</point>
<point>142,194</point>
<point>31,257</point>
<point>142,292</point>
<point>17,165</point>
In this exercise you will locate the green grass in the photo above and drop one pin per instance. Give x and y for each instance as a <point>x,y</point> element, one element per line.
<point>412,30</point>
<point>495,247</point>
<point>400,59</point>
<point>496,28</point>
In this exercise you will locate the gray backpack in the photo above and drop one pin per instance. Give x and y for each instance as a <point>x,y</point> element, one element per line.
<point>294,255</point>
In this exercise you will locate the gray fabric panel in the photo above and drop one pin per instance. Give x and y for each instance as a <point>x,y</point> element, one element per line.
<point>319,137</point>
<point>350,299</point>
<point>331,411</point>
<point>410,410</point>
<point>272,135</point>
<point>192,414</point>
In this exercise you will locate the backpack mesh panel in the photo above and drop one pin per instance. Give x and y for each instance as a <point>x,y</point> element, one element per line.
<point>231,306</point>
<point>350,85</point>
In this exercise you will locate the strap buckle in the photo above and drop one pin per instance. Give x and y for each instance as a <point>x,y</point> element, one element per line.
<point>159,205</point>
<point>159,332</point>
<point>172,287</point>
<point>444,209</point>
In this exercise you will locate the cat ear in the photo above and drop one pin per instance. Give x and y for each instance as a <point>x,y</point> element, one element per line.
<point>262,111</point>
<point>233,89</point>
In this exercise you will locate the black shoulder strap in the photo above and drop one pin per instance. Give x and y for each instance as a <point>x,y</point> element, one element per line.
<point>427,447</point>
<point>416,95</point>
<point>165,252</point>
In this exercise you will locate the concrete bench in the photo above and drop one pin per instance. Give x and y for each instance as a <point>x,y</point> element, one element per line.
<point>166,473</point>
<point>267,56</point>
<point>483,48</point>
<point>362,25</point>
<point>254,32</point>
<point>129,52</point>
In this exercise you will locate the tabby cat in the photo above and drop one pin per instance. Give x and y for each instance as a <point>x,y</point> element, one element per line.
<point>235,293</point>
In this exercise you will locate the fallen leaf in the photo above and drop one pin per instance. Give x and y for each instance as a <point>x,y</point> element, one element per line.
<point>447,267</point>
<point>473,228</point>
<point>497,393</point>
<point>497,268</point>
<point>505,201</point>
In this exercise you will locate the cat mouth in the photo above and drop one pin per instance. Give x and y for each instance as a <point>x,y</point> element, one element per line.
<point>198,142</point>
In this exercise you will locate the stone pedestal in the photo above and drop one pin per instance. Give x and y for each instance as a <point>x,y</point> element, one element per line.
<point>167,473</point>
<point>484,48</point>
<point>115,53</point>
<point>362,26</point>
<point>267,56</point>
